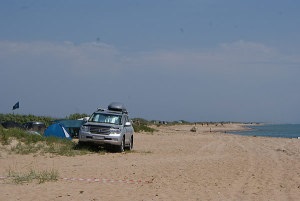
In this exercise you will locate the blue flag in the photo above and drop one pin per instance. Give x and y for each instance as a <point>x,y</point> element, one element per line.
<point>16,106</point>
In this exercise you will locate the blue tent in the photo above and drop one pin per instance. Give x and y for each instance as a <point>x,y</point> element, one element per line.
<point>72,126</point>
<point>57,130</point>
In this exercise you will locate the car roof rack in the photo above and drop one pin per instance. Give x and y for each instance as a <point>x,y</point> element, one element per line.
<point>100,109</point>
<point>114,107</point>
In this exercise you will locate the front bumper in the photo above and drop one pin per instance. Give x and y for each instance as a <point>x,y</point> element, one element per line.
<point>113,139</point>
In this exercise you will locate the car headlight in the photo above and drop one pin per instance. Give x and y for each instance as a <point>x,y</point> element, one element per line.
<point>115,131</point>
<point>85,128</point>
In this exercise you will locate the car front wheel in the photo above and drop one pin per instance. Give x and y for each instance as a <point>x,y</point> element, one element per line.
<point>121,147</point>
<point>130,146</point>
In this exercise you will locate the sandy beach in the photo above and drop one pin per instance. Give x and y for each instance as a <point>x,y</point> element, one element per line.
<point>172,163</point>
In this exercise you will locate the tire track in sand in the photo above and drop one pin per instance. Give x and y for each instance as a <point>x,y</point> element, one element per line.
<point>258,179</point>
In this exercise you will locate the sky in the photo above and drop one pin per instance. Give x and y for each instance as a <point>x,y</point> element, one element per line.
<point>193,60</point>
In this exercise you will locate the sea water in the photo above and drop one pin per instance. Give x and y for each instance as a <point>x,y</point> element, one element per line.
<point>272,130</point>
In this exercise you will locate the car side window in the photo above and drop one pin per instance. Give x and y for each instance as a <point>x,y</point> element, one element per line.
<point>126,119</point>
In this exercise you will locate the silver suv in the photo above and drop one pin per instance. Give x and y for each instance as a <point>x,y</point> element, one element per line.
<point>110,126</point>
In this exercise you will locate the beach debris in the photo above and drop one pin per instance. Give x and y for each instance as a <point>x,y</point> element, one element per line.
<point>193,129</point>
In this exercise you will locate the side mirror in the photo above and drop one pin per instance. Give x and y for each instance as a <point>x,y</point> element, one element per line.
<point>85,119</point>
<point>128,123</point>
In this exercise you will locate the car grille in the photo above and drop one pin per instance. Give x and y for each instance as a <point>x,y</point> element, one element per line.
<point>100,130</point>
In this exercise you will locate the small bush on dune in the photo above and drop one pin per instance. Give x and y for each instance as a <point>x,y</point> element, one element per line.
<point>22,148</point>
<point>30,143</point>
<point>143,127</point>
<point>33,175</point>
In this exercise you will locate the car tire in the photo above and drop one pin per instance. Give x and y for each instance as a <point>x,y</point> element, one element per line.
<point>130,146</point>
<point>121,147</point>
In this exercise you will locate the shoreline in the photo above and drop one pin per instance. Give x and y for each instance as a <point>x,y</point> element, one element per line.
<point>211,127</point>
<point>289,131</point>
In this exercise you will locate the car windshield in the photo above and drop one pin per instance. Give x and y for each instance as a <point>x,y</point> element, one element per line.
<point>106,118</point>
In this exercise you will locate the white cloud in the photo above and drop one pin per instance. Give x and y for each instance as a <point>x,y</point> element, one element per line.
<point>247,47</point>
<point>65,74</point>
<point>66,57</point>
<point>99,57</point>
<point>226,54</point>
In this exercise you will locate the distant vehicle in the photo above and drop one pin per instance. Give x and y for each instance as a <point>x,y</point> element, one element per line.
<point>35,126</point>
<point>11,124</point>
<point>109,127</point>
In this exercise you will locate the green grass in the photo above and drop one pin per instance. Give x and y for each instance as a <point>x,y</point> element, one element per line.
<point>6,136</point>
<point>33,176</point>
<point>143,127</point>
<point>34,144</point>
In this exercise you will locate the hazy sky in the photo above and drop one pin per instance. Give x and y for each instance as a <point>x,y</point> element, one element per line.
<point>196,60</point>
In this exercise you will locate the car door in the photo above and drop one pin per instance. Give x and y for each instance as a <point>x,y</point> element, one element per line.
<point>127,130</point>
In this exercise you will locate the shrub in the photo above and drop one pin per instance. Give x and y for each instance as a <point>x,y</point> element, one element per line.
<point>76,116</point>
<point>32,175</point>
<point>30,143</point>
<point>142,127</point>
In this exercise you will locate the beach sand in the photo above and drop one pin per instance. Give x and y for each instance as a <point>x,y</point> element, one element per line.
<point>173,163</point>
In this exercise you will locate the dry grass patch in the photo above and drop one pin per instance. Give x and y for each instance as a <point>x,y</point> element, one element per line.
<point>32,175</point>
